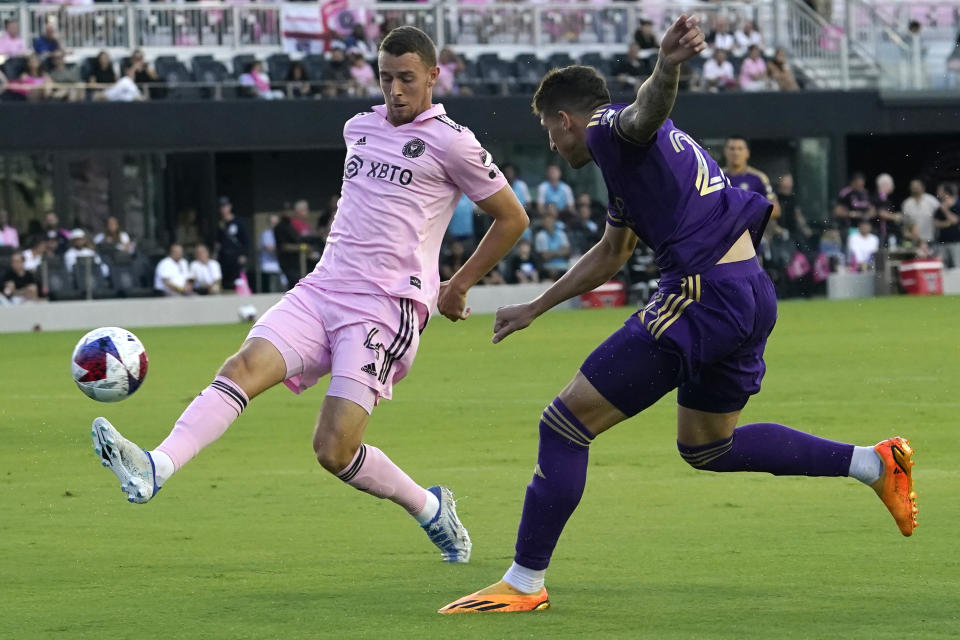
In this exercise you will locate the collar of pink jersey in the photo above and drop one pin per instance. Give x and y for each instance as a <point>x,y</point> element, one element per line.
<point>434,111</point>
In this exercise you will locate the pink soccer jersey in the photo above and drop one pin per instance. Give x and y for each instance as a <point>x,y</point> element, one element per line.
<point>400,186</point>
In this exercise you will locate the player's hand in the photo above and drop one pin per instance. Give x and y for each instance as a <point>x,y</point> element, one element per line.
<point>512,318</point>
<point>452,302</point>
<point>682,41</point>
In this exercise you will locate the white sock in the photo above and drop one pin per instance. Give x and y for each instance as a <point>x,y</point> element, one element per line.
<point>162,466</point>
<point>523,579</point>
<point>429,511</point>
<point>865,465</point>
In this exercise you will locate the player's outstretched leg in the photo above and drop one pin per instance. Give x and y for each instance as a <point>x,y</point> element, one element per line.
<point>780,450</point>
<point>338,444</point>
<point>256,367</point>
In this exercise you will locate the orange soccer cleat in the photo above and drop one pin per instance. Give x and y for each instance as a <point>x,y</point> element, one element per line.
<point>499,598</point>
<point>895,486</point>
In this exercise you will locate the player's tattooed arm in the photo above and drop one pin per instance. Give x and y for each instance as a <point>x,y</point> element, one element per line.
<point>655,98</point>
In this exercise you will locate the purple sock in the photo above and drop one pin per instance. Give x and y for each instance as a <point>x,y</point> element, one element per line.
<point>557,485</point>
<point>772,448</point>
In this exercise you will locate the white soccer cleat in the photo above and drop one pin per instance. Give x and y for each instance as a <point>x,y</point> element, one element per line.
<point>446,531</point>
<point>131,464</point>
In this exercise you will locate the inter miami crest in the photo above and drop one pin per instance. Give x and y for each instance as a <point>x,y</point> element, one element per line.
<point>414,148</point>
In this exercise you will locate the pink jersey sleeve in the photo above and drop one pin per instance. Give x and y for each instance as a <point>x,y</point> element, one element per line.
<point>471,168</point>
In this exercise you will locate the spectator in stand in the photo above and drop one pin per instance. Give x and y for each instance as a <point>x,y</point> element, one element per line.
<point>172,276</point>
<point>19,284</point>
<point>745,37</point>
<point>831,246</point>
<point>288,250</point>
<point>55,233</point>
<point>11,44</point>
<point>552,245</point>
<point>33,83</point>
<point>519,187</point>
<point>65,78</point>
<point>298,82</point>
<point>336,74</point>
<point>114,236</point>
<point>103,72</point>
<point>461,224</point>
<point>523,265</point>
<point>364,79</point>
<point>862,246</point>
<point>233,244</point>
<point>736,153</point>
<point>919,209</point>
<point>80,247</point>
<point>753,70</point>
<point>301,218</point>
<point>125,89</point>
<point>8,234</point>
<point>645,38</point>
<point>205,272</point>
<point>450,66</point>
<point>259,82</point>
<point>493,277</point>
<point>358,40</point>
<point>781,73</point>
<point>722,38</point>
<point>269,266</point>
<point>33,256</point>
<point>887,219</point>
<point>718,72</point>
<point>452,259</point>
<point>145,76</point>
<point>853,205</point>
<point>47,43</point>
<point>632,70</point>
<point>554,191</point>
<point>947,222</point>
<point>791,218</point>
<point>584,231</point>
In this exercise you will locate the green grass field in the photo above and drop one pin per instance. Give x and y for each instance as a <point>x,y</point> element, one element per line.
<point>254,540</point>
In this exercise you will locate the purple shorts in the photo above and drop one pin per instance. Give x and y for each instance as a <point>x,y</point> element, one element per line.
<point>371,339</point>
<point>702,334</point>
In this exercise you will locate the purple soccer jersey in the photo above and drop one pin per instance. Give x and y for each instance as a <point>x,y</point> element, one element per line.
<point>672,194</point>
<point>752,180</point>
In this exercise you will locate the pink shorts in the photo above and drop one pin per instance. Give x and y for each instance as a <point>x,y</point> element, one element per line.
<point>371,339</point>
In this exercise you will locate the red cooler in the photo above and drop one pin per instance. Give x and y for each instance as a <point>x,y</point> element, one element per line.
<point>610,294</point>
<point>922,277</point>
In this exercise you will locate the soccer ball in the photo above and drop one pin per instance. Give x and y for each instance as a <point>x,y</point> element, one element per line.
<point>109,364</point>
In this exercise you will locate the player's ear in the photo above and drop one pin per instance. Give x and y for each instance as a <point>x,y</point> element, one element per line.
<point>566,122</point>
<point>432,76</point>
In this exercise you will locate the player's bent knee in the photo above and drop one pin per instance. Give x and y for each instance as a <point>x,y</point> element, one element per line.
<point>333,455</point>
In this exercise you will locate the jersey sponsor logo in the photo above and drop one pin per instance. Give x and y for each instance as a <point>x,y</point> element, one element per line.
<point>607,115</point>
<point>370,368</point>
<point>486,158</point>
<point>415,282</point>
<point>352,167</point>
<point>362,141</point>
<point>414,148</point>
<point>445,119</point>
<point>389,172</point>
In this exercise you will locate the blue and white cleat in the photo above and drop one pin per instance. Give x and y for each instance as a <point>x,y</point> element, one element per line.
<point>131,464</point>
<point>446,530</point>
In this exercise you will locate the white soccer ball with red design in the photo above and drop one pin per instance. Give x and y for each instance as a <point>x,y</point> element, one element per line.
<point>109,364</point>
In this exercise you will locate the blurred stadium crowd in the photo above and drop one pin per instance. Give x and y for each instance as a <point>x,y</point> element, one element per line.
<point>49,260</point>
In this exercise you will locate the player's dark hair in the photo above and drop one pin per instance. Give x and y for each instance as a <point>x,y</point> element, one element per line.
<point>574,89</point>
<point>407,39</point>
<point>743,138</point>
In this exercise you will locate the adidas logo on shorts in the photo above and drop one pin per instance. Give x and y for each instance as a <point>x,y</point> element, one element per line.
<point>369,368</point>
